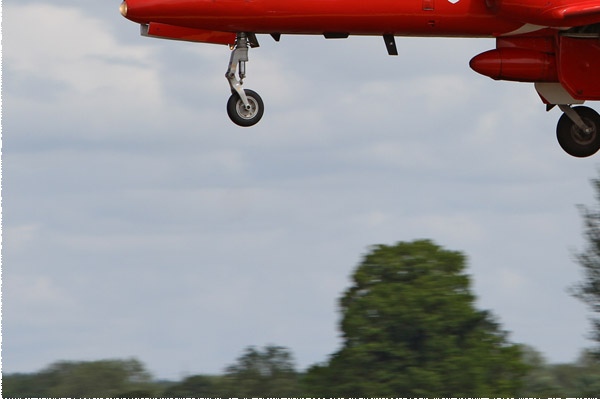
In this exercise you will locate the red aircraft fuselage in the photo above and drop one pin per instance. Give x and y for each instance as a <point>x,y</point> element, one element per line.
<point>467,18</point>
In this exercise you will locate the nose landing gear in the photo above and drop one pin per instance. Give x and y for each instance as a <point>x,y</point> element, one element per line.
<point>244,107</point>
<point>578,131</point>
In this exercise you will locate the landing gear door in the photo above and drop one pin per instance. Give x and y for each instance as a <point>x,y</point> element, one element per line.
<point>579,65</point>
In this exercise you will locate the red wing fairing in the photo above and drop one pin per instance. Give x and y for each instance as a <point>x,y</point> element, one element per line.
<point>557,14</point>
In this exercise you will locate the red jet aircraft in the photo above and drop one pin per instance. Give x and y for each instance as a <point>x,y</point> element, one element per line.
<point>554,44</point>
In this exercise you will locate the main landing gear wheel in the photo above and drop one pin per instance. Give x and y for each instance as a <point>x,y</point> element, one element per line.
<point>576,140</point>
<point>245,115</point>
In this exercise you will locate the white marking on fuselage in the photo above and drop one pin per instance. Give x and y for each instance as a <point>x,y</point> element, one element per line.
<point>453,1</point>
<point>527,28</point>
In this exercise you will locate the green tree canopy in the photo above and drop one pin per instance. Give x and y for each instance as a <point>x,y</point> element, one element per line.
<point>195,386</point>
<point>262,373</point>
<point>410,329</point>
<point>580,379</point>
<point>589,289</point>
<point>105,378</point>
<point>22,386</point>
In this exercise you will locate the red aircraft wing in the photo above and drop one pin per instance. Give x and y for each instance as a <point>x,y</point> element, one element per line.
<point>578,13</point>
<point>558,13</point>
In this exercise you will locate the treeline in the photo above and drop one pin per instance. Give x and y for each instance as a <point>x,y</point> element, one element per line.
<point>269,372</point>
<point>409,329</point>
<point>257,373</point>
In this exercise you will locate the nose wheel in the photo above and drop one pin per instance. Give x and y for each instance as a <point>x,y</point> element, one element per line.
<point>242,114</point>
<point>244,107</point>
<point>578,131</point>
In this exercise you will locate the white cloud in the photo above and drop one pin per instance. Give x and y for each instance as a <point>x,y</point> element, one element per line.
<point>84,56</point>
<point>40,299</point>
<point>64,51</point>
<point>463,227</point>
<point>18,238</point>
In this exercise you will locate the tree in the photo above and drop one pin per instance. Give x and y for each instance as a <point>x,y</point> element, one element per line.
<point>577,380</point>
<point>540,382</point>
<point>105,378</point>
<point>587,382</point>
<point>195,386</point>
<point>22,386</point>
<point>410,329</point>
<point>588,291</point>
<point>266,373</point>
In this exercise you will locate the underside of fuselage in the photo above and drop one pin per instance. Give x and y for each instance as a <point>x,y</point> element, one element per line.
<point>465,18</point>
<point>554,45</point>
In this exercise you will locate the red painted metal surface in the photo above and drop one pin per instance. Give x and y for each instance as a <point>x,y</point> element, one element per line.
<point>541,56</point>
<point>544,41</point>
<point>164,31</point>
<point>524,58</point>
<point>555,13</point>
<point>469,18</point>
<point>579,67</point>
<point>515,64</point>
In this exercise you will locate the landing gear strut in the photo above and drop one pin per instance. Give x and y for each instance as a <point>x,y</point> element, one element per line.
<point>244,107</point>
<point>578,131</point>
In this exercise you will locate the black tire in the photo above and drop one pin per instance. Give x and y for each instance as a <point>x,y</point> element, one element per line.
<point>238,113</point>
<point>575,141</point>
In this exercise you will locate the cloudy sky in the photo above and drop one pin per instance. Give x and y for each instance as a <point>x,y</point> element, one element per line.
<point>138,221</point>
